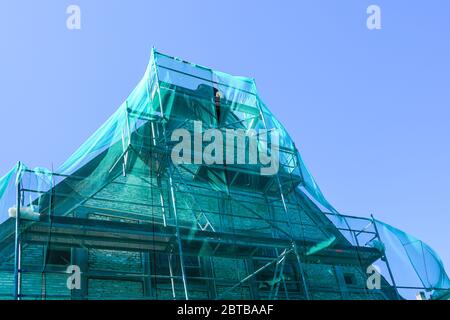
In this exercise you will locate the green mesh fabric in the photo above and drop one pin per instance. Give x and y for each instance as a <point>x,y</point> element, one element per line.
<point>321,245</point>
<point>238,93</point>
<point>8,192</point>
<point>7,184</point>
<point>4,181</point>
<point>121,206</point>
<point>38,178</point>
<point>414,253</point>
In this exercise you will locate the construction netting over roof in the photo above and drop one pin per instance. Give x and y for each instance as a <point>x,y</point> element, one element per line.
<point>173,94</point>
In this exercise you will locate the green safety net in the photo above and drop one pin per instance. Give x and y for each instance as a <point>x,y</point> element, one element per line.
<point>238,93</point>
<point>8,189</point>
<point>4,181</point>
<point>7,184</point>
<point>410,252</point>
<point>123,174</point>
<point>37,178</point>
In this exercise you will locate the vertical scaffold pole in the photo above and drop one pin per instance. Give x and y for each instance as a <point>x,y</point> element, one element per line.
<point>293,244</point>
<point>177,230</point>
<point>172,191</point>
<point>17,247</point>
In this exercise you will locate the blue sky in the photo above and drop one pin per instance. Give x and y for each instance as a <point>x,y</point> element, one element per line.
<point>369,110</point>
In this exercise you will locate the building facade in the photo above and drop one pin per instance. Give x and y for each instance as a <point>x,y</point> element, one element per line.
<point>134,225</point>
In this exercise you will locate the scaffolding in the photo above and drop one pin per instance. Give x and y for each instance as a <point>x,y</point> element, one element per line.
<point>139,226</point>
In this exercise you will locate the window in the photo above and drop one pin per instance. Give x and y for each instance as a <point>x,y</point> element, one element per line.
<point>59,257</point>
<point>349,279</point>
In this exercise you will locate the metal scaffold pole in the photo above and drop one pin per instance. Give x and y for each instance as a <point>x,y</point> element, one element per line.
<point>177,228</point>
<point>171,187</point>
<point>17,248</point>
<point>254,273</point>
<point>294,246</point>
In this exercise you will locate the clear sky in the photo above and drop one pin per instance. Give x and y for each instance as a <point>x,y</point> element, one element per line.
<point>368,110</point>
